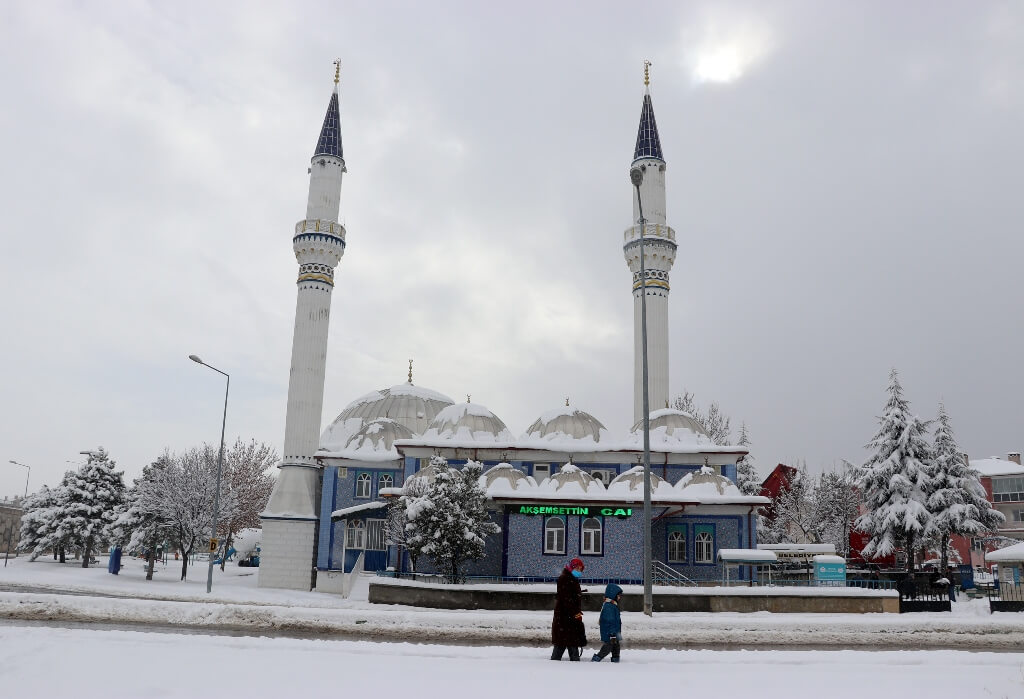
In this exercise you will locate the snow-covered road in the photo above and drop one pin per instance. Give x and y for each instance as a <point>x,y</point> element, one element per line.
<point>86,663</point>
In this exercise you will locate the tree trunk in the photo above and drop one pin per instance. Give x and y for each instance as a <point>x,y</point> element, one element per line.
<point>944,556</point>
<point>88,552</point>
<point>151,559</point>
<point>60,550</point>
<point>184,564</point>
<point>911,553</point>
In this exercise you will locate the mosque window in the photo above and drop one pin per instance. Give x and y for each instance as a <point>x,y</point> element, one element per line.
<point>677,545</point>
<point>363,485</point>
<point>541,471</point>
<point>554,535</point>
<point>703,545</point>
<point>386,480</point>
<point>590,533</point>
<point>355,535</point>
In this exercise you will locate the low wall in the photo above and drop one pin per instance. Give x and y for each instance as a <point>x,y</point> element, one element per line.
<point>843,601</point>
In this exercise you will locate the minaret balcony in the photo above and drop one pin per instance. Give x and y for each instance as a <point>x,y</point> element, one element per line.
<point>651,230</point>
<point>319,242</point>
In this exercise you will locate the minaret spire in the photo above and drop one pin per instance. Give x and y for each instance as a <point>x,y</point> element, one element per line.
<point>648,143</point>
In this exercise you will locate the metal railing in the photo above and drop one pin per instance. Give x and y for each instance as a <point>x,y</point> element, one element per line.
<point>661,574</point>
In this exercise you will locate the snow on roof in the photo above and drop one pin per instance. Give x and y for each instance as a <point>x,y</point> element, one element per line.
<point>565,424</point>
<point>412,406</point>
<point>467,422</point>
<point>1009,554</point>
<point>708,486</point>
<point>373,441</point>
<point>744,555</point>
<point>505,476</point>
<point>994,466</point>
<point>826,558</point>
<point>345,511</point>
<point>631,483</point>
<point>827,549</point>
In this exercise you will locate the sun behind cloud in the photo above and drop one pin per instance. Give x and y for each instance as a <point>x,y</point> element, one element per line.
<point>722,49</point>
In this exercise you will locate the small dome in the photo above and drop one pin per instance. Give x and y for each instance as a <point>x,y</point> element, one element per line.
<point>468,422</point>
<point>505,477</point>
<point>669,425</point>
<point>572,479</point>
<point>377,435</point>
<point>566,423</point>
<point>633,481</point>
<point>707,482</point>
<point>409,405</point>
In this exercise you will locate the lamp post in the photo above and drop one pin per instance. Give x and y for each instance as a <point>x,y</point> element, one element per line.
<point>636,176</point>
<point>220,462</point>
<point>10,534</point>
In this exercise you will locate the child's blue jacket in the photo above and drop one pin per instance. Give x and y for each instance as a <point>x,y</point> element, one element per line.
<point>610,621</point>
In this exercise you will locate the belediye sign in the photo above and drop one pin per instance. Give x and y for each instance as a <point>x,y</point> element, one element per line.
<point>582,510</point>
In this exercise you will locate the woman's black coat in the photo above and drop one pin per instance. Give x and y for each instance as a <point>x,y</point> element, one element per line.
<point>566,630</point>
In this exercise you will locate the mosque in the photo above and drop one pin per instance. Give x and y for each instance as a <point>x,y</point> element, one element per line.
<point>565,487</point>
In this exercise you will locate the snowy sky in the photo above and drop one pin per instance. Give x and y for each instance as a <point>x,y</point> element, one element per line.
<point>844,179</point>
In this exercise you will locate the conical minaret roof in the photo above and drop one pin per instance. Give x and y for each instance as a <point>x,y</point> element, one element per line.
<point>329,142</point>
<point>648,144</point>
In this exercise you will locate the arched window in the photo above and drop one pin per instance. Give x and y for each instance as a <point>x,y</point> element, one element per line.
<point>590,533</point>
<point>677,547</point>
<point>363,485</point>
<point>355,534</point>
<point>702,544</point>
<point>386,480</point>
<point>554,535</point>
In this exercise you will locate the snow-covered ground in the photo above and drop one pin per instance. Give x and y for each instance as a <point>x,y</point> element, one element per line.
<point>112,664</point>
<point>238,603</point>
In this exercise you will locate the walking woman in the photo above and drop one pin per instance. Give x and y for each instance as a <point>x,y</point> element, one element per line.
<point>567,624</point>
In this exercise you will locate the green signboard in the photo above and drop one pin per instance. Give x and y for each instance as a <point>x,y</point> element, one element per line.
<point>583,510</point>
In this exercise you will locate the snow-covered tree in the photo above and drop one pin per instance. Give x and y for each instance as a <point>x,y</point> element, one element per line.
<point>395,521</point>
<point>837,503</point>
<point>746,472</point>
<point>793,513</point>
<point>136,528</point>
<point>714,421</point>
<point>93,494</point>
<point>957,499</point>
<point>182,495</point>
<point>39,523</point>
<point>450,522</point>
<point>248,469</point>
<point>896,480</point>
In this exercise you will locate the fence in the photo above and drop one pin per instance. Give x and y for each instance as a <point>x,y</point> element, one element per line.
<point>1006,598</point>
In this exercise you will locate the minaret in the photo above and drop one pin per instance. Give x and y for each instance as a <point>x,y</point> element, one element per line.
<point>659,254</point>
<point>288,545</point>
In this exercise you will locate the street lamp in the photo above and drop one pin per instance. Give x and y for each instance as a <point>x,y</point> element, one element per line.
<point>10,534</point>
<point>18,463</point>
<point>220,461</point>
<point>636,176</point>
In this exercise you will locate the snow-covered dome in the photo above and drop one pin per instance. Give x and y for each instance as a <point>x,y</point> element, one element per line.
<point>566,424</point>
<point>673,426</point>
<point>706,482</point>
<point>572,479</point>
<point>468,422</point>
<point>427,474</point>
<point>411,406</point>
<point>631,482</point>
<point>378,435</point>
<point>505,477</point>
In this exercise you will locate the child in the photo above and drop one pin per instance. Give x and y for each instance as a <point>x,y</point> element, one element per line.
<point>611,624</point>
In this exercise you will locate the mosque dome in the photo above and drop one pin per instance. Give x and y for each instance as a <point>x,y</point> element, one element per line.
<point>706,483</point>
<point>674,426</point>
<point>566,424</point>
<point>467,422</point>
<point>411,406</point>
<point>632,482</point>
<point>378,435</point>
<point>572,479</point>
<point>505,477</point>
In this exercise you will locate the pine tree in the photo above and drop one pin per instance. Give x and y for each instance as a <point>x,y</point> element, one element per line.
<point>136,528</point>
<point>38,522</point>
<point>895,481</point>
<point>450,522</point>
<point>395,520</point>
<point>94,493</point>
<point>746,473</point>
<point>957,500</point>
<point>715,422</point>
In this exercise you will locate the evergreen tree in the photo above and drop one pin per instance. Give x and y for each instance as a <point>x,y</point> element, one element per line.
<point>39,521</point>
<point>746,473</point>
<point>450,522</point>
<point>957,500</point>
<point>896,480</point>
<point>395,520</point>
<point>136,528</point>
<point>714,421</point>
<point>94,493</point>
